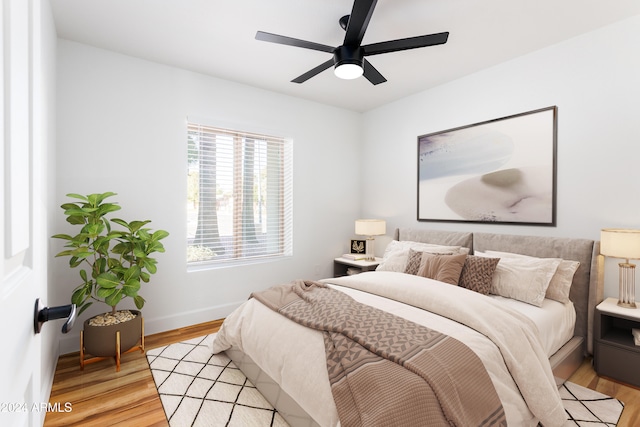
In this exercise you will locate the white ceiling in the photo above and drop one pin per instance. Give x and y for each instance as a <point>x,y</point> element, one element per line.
<point>217,38</point>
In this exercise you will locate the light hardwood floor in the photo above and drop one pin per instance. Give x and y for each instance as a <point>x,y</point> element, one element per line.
<point>100,396</point>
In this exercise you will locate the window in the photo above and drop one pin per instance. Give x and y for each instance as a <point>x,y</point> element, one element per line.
<point>239,198</point>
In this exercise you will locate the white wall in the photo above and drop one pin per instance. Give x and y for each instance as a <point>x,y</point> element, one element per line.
<point>122,128</point>
<point>594,79</point>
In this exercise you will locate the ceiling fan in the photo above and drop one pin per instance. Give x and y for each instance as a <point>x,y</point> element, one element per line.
<point>349,58</point>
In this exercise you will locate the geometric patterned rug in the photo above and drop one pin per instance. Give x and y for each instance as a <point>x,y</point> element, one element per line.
<point>587,407</point>
<point>198,388</point>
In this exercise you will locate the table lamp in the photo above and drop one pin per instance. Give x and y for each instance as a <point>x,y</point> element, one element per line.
<point>370,228</point>
<point>624,244</point>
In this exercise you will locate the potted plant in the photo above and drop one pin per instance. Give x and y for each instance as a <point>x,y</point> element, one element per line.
<point>113,263</point>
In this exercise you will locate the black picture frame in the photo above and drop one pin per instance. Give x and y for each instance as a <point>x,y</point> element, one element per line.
<point>501,171</point>
<point>358,246</point>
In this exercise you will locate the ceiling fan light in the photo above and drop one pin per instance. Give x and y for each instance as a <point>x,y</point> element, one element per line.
<point>348,71</point>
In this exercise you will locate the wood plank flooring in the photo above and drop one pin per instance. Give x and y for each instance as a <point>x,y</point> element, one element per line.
<point>100,396</point>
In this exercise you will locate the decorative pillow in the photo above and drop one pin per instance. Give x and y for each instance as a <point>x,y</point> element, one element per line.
<point>396,253</point>
<point>523,279</point>
<point>396,261</point>
<point>560,284</point>
<point>413,262</point>
<point>445,268</point>
<point>477,273</point>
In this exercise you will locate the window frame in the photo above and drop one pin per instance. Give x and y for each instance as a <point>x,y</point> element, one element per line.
<point>284,193</point>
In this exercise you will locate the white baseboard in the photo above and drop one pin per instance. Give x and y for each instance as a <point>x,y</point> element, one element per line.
<point>71,342</point>
<point>168,323</point>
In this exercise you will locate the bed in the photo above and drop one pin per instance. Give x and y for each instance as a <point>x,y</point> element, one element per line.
<point>286,361</point>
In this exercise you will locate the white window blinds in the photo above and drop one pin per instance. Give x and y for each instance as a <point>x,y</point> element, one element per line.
<point>239,195</point>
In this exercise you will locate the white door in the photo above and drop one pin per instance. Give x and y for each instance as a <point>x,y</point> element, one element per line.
<point>23,267</point>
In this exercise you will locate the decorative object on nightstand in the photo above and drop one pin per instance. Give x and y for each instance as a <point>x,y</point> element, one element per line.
<point>370,228</point>
<point>624,244</point>
<point>355,257</point>
<point>358,246</point>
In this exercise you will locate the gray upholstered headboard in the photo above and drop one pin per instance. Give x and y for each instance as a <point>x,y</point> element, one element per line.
<point>585,290</point>
<point>447,238</point>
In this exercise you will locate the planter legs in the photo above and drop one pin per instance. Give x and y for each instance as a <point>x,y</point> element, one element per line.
<point>117,357</point>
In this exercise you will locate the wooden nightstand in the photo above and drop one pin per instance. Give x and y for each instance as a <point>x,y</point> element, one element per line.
<point>342,266</point>
<point>614,353</point>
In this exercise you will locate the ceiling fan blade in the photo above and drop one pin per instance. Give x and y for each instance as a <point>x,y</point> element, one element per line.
<point>290,41</point>
<point>358,21</point>
<point>404,44</point>
<point>372,74</point>
<point>313,72</point>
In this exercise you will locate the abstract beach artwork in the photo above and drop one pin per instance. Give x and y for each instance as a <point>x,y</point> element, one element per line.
<point>498,171</point>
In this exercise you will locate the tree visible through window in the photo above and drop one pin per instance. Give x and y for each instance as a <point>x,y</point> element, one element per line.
<point>239,199</point>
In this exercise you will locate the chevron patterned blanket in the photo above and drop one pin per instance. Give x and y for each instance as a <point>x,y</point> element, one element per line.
<point>386,370</point>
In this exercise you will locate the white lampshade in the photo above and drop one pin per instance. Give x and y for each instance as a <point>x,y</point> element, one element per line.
<point>371,227</point>
<point>620,243</point>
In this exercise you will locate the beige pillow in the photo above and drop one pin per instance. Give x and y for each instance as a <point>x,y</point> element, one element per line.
<point>523,279</point>
<point>414,260</point>
<point>397,252</point>
<point>477,273</point>
<point>560,284</point>
<point>445,268</point>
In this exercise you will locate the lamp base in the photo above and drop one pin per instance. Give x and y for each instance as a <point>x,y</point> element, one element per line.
<point>370,250</point>
<point>627,285</point>
<point>626,304</point>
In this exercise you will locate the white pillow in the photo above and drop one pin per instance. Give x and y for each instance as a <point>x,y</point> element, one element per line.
<point>560,284</point>
<point>523,279</point>
<point>396,253</point>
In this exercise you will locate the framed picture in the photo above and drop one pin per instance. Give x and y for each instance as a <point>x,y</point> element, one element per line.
<point>498,171</point>
<point>358,246</point>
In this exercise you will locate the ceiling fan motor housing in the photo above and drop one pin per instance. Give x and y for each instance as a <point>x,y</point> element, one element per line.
<point>348,55</point>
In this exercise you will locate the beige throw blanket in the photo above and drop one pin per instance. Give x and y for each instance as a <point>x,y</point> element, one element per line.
<point>514,334</point>
<point>386,370</point>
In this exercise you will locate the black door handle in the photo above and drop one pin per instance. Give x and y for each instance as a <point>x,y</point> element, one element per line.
<point>44,314</point>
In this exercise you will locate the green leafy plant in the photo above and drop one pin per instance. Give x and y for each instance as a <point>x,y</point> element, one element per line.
<point>114,262</point>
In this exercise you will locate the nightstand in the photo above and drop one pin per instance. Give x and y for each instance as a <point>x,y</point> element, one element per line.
<point>614,353</point>
<point>344,266</point>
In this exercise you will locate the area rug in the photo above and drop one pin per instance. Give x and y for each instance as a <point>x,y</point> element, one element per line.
<point>198,388</point>
<point>586,407</point>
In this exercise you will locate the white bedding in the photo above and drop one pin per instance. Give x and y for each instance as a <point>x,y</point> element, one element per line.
<point>294,355</point>
<point>555,320</point>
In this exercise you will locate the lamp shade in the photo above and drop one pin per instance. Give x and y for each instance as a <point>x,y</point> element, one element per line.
<point>371,227</point>
<point>620,243</point>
